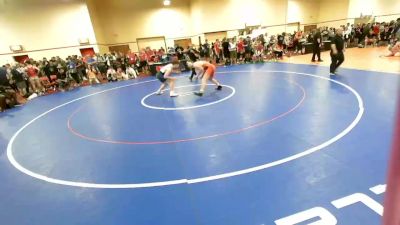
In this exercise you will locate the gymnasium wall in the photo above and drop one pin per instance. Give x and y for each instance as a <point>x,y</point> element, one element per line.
<point>373,7</point>
<point>303,11</point>
<point>95,18</point>
<point>342,9</point>
<point>333,10</point>
<point>121,21</point>
<point>211,15</point>
<point>42,24</point>
<point>48,24</point>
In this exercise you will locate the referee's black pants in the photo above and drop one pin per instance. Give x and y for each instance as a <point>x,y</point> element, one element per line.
<point>337,60</point>
<point>316,51</point>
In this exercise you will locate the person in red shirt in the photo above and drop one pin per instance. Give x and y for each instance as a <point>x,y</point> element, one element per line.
<point>33,74</point>
<point>217,50</point>
<point>132,58</point>
<point>376,30</point>
<point>150,55</point>
<point>296,42</point>
<point>155,56</point>
<point>208,71</point>
<point>240,49</point>
<point>370,38</point>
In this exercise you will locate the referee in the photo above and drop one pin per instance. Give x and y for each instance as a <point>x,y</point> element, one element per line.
<point>317,44</point>
<point>337,47</point>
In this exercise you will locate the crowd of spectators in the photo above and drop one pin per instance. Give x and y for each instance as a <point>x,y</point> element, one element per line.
<point>34,78</point>
<point>274,47</point>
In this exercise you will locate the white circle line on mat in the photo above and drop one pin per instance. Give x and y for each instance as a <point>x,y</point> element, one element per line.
<point>304,153</point>
<point>143,101</point>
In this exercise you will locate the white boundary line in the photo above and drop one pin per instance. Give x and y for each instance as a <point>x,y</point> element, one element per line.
<point>378,189</point>
<point>185,181</point>
<point>188,107</point>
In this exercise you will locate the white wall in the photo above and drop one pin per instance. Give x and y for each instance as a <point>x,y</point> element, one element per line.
<point>343,9</point>
<point>333,10</point>
<point>373,7</point>
<point>56,23</point>
<point>50,25</point>
<point>303,11</point>
<point>222,15</point>
<point>120,21</point>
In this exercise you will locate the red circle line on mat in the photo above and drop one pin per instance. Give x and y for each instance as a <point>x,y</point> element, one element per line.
<point>230,132</point>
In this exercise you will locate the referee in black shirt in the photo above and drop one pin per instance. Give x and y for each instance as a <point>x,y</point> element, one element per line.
<point>317,43</point>
<point>337,47</point>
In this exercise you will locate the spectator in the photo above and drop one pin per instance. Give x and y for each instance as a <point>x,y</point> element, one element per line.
<point>92,75</point>
<point>63,80</point>
<point>132,58</point>
<point>179,52</point>
<point>121,75</point>
<point>47,68</point>
<point>34,80</point>
<point>111,74</point>
<point>206,49</point>
<point>370,38</point>
<point>278,50</point>
<point>3,77</point>
<point>247,49</point>
<point>225,49</point>
<point>297,38</point>
<point>8,97</point>
<point>290,45</point>
<point>192,54</point>
<point>20,82</point>
<point>396,30</point>
<point>233,51</point>
<point>131,72</point>
<point>143,61</point>
<point>217,51</point>
<point>101,65</point>
<point>72,70</point>
<point>240,49</point>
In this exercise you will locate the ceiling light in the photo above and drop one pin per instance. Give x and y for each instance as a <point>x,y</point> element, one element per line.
<point>167,2</point>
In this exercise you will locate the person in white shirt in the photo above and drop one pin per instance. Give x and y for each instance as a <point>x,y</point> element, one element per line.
<point>121,75</point>
<point>111,74</point>
<point>130,71</point>
<point>92,75</point>
<point>347,33</point>
<point>164,76</point>
<point>232,50</point>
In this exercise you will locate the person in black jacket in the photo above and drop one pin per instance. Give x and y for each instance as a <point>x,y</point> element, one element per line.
<point>8,97</point>
<point>226,52</point>
<point>19,79</point>
<point>317,42</point>
<point>337,47</point>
